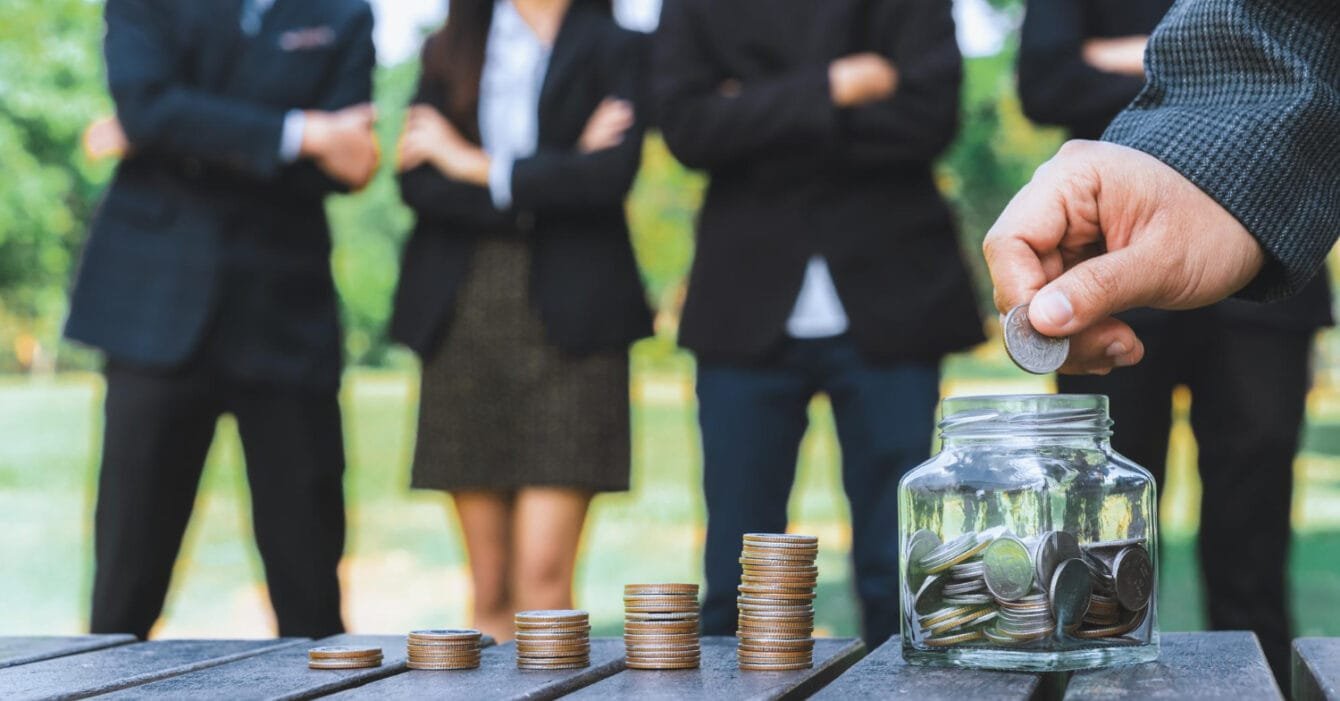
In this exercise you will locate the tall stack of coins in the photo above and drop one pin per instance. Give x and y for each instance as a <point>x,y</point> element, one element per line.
<point>776,601</point>
<point>553,639</point>
<point>344,657</point>
<point>660,629</point>
<point>443,649</point>
<point>991,587</point>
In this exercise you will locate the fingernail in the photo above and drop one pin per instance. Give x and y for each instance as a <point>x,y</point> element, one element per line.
<point>1124,361</point>
<point>1117,349</point>
<point>1052,307</point>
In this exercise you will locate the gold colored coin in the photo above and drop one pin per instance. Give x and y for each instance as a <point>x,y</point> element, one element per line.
<point>685,589</point>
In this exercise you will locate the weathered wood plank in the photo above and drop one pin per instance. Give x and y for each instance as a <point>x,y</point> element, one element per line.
<point>496,678</point>
<point>22,650</point>
<point>109,669</point>
<point>885,674</point>
<point>278,674</point>
<point>1316,669</point>
<point>720,676</point>
<point>1224,664</point>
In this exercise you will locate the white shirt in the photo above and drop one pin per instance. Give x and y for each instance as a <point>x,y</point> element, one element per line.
<point>818,312</point>
<point>515,63</point>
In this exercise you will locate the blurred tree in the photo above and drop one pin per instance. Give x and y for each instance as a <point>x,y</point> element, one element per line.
<point>994,155</point>
<point>50,88</point>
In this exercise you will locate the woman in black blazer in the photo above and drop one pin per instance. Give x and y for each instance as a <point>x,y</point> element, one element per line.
<point>519,290</point>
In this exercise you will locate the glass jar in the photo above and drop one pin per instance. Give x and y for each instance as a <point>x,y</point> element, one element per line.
<point>1027,543</point>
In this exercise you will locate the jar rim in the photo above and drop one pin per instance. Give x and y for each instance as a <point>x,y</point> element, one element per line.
<point>1025,415</point>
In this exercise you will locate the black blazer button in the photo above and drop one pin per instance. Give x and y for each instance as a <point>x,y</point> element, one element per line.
<point>525,222</point>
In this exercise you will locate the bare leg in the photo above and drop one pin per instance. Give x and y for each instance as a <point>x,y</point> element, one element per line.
<point>546,530</point>
<point>486,522</point>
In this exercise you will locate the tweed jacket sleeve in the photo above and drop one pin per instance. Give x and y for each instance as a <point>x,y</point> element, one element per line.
<point>1243,99</point>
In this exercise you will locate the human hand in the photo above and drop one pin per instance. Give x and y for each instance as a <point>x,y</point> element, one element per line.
<point>607,125</point>
<point>104,138</point>
<point>342,144</point>
<point>1124,55</point>
<point>430,138</point>
<point>1102,228</point>
<point>860,79</point>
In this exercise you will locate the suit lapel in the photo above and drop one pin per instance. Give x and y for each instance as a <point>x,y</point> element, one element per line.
<point>568,50</point>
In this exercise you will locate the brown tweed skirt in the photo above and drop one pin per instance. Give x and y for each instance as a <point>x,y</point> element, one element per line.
<point>501,408</point>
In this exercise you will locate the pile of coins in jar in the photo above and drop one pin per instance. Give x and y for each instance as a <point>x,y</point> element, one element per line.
<point>993,588</point>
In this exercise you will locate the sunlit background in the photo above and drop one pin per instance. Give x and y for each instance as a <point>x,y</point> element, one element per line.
<point>405,565</point>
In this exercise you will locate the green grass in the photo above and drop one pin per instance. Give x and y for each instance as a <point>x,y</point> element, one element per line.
<point>405,565</point>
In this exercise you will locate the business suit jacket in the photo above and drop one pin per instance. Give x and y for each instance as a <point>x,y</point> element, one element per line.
<point>792,176</point>
<point>1057,87</point>
<point>1243,99</point>
<point>206,241</point>
<point>569,206</point>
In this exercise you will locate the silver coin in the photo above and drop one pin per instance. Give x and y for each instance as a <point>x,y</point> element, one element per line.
<point>968,570</point>
<point>1114,544</point>
<point>968,587</point>
<point>919,544</point>
<point>930,594</point>
<point>1030,350</point>
<point>1070,589</point>
<point>968,600</point>
<point>1133,576</point>
<point>1053,548</point>
<point>1009,568</point>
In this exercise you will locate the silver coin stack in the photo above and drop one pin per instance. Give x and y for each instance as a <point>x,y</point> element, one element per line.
<point>993,588</point>
<point>776,602</point>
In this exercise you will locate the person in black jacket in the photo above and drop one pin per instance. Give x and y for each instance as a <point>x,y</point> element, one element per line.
<point>519,290</point>
<point>826,259</point>
<point>1246,364</point>
<point>206,282</point>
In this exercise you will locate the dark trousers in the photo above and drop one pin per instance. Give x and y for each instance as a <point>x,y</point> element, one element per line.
<point>753,418</point>
<point>158,429</point>
<point>1248,387</point>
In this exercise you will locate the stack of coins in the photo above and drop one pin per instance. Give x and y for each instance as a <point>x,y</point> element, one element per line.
<point>660,629</point>
<point>1123,583</point>
<point>553,640</point>
<point>776,601</point>
<point>443,649</point>
<point>344,657</point>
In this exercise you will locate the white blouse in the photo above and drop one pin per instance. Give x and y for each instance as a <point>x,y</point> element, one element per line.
<point>515,62</point>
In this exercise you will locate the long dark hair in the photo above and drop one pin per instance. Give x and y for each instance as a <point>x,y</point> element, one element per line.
<point>454,56</point>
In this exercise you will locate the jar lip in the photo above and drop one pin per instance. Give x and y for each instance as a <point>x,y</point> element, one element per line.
<point>1025,415</point>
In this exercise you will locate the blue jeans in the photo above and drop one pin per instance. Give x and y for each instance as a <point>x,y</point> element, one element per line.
<point>753,418</point>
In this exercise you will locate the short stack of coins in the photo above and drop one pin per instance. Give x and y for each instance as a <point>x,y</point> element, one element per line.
<point>776,602</point>
<point>344,657</point>
<point>660,629</point>
<point>1123,584</point>
<point>553,639</point>
<point>993,588</point>
<point>443,649</point>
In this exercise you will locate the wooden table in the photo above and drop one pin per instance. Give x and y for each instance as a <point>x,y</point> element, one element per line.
<point>1202,665</point>
<point>1316,669</point>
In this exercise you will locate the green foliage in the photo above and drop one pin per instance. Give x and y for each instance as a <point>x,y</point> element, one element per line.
<point>369,229</point>
<point>994,155</point>
<point>51,87</point>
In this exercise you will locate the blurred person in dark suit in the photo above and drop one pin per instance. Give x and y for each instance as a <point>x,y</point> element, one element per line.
<point>1247,365</point>
<point>206,282</point>
<point>519,290</point>
<point>826,261</point>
